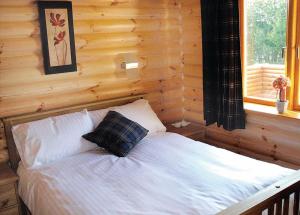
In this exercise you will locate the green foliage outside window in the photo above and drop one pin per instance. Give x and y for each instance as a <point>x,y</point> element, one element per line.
<point>266,26</point>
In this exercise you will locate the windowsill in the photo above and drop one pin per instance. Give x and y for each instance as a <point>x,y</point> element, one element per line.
<point>270,110</point>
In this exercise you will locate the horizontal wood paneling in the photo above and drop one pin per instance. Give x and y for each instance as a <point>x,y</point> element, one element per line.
<point>276,138</point>
<point>192,49</point>
<point>165,37</point>
<point>3,146</point>
<point>260,78</point>
<point>104,31</point>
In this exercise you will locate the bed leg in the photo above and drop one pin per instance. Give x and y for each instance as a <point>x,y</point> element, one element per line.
<point>279,207</point>
<point>286,205</point>
<point>296,203</point>
<point>271,210</point>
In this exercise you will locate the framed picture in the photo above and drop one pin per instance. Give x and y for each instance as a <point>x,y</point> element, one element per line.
<point>57,36</point>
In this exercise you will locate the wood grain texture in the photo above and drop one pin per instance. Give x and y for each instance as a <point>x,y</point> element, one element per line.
<point>194,131</point>
<point>266,199</point>
<point>260,78</point>
<point>105,31</point>
<point>14,210</point>
<point>193,94</point>
<point>7,176</point>
<point>3,146</point>
<point>165,37</point>
<point>274,137</point>
<point>7,196</point>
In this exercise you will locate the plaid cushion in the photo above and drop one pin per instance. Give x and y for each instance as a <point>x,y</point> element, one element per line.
<point>117,134</point>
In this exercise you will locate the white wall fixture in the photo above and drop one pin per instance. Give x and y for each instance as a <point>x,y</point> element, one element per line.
<point>129,65</point>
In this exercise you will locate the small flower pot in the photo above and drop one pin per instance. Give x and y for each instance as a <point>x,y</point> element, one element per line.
<point>281,106</point>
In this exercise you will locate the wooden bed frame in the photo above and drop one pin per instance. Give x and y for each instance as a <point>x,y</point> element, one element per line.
<point>280,198</point>
<point>9,122</point>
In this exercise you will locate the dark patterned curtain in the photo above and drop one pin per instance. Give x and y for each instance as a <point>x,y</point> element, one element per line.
<point>222,76</point>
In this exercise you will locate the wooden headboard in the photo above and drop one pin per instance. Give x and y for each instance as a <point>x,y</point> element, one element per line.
<point>9,122</point>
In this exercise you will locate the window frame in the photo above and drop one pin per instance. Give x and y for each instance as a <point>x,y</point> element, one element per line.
<point>296,78</point>
<point>292,61</point>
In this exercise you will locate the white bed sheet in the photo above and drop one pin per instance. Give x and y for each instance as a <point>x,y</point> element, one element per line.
<point>164,174</point>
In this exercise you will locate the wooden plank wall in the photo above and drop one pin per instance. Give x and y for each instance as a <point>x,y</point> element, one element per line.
<point>260,78</point>
<point>274,137</point>
<point>192,51</point>
<point>165,35</point>
<point>3,148</point>
<point>104,31</point>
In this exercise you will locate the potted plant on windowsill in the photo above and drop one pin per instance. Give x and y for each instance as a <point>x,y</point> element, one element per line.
<point>280,84</point>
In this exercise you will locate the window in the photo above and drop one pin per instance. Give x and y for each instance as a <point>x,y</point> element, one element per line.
<point>270,37</point>
<point>296,78</point>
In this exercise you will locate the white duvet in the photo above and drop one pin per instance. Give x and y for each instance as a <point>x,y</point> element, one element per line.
<point>164,174</point>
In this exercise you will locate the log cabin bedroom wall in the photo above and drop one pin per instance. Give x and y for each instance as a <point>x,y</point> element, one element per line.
<point>267,136</point>
<point>104,31</point>
<point>165,37</point>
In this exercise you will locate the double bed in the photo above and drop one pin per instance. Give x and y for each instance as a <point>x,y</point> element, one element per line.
<point>165,173</point>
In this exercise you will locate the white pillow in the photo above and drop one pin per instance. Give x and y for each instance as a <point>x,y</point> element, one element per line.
<point>98,115</point>
<point>139,111</point>
<point>44,141</point>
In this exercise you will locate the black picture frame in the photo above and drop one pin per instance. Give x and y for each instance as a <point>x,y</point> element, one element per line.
<point>42,6</point>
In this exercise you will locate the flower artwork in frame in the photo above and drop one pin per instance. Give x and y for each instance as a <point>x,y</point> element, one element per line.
<point>57,36</point>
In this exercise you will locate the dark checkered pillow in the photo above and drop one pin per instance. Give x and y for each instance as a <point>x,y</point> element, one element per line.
<point>117,134</point>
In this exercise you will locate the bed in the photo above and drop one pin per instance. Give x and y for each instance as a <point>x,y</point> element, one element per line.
<point>165,173</point>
